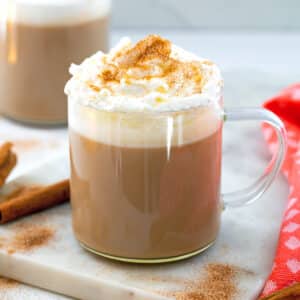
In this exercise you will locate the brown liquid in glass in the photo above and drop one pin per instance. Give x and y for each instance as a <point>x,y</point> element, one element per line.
<point>145,202</point>
<point>32,79</point>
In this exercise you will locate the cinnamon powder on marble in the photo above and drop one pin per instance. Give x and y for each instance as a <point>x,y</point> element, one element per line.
<point>27,144</point>
<point>218,284</point>
<point>1,243</point>
<point>6,283</point>
<point>30,236</point>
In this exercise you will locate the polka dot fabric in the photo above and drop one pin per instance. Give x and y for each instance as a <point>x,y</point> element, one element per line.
<point>286,269</point>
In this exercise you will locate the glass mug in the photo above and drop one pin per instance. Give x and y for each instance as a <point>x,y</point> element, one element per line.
<point>145,187</point>
<point>38,42</point>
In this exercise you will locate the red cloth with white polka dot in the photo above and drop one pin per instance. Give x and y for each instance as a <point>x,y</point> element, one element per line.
<point>286,268</point>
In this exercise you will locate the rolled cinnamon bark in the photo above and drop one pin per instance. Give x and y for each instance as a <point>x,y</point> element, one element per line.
<point>5,149</point>
<point>31,200</point>
<point>8,160</point>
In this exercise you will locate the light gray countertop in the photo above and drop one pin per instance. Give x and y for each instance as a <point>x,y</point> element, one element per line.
<point>217,14</point>
<point>255,67</point>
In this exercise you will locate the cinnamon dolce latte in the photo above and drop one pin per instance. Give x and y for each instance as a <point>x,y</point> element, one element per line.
<point>145,143</point>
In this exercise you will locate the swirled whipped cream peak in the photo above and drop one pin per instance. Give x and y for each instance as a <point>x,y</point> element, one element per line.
<point>151,75</point>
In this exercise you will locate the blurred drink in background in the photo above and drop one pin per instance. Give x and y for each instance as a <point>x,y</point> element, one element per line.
<point>39,39</point>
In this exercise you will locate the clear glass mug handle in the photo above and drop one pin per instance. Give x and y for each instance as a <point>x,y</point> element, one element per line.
<point>256,189</point>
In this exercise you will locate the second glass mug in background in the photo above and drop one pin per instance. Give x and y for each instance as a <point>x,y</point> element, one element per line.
<point>38,42</point>
<point>145,187</point>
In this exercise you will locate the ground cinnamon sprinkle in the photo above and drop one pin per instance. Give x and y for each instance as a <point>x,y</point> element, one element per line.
<point>2,242</point>
<point>218,284</point>
<point>6,283</point>
<point>151,47</point>
<point>30,236</point>
<point>10,251</point>
<point>141,60</point>
<point>26,145</point>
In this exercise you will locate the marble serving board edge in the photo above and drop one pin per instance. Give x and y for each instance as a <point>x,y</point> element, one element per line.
<point>79,286</point>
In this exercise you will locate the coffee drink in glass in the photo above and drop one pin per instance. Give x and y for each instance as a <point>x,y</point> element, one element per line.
<point>145,124</point>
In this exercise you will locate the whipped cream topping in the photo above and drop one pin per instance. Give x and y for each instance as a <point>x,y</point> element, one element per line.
<point>152,75</point>
<point>53,12</point>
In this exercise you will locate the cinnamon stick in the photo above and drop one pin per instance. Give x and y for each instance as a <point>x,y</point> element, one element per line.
<point>30,200</point>
<point>8,160</point>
